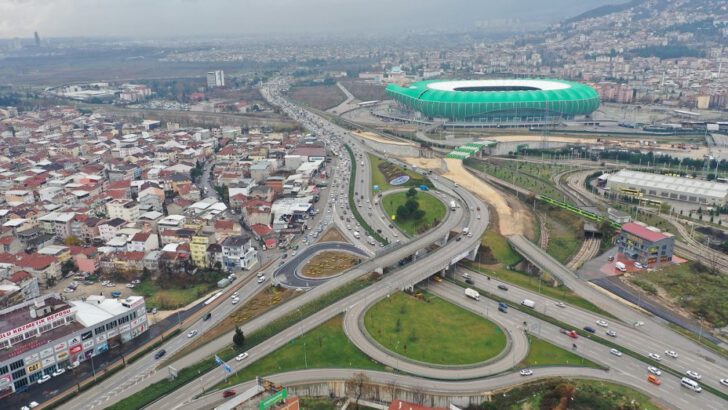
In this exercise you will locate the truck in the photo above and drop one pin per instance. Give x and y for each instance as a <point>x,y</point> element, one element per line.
<point>620,266</point>
<point>223,283</point>
<point>453,205</point>
<point>472,293</point>
<point>529,303</point>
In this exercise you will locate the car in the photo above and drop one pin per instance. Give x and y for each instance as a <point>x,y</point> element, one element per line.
<point>235,294</point>
<point>154,311</point>
<point>638,323</point>
<point>671,353</point>
<point>207,316</point>
<point>526,372</point>
<point>261,279</point>
<point>469,281</point>
<point>611,333</point>
<point>73,365</point>
<point>590,329</point>
<point>136,281</point>
<point>130,285</point>
<point>235,301</point>
<point>602,323</point>
<point>654,370</point>
<point>615,352</point>
<point>44,379</point>
<point>228,393</point>
<point>159,354</point>
<point>241,356</point>
<point>654,379</point>
<point>694,375</point>
<point>724,382</point>
<point>192,333</point>
<point>59,371</point>
<point>33,404</point>
<point>561,304</point>
<point>655,356</point>
<point>502,287</point>
<point>639,265</point>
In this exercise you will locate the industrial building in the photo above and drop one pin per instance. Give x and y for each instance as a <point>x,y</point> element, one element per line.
<point>645,244</point>
<point>664,187</point>
<point>39,336</point>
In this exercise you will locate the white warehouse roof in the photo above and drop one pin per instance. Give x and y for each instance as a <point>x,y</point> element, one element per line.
<point>682,185</point>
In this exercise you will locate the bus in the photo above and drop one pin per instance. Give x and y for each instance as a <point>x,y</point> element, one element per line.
<point>630,192</point>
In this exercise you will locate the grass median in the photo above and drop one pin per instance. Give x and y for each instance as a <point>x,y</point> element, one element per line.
<point>352,203</point>
<point>159,389</point>
<point>587,335</point>
<point>433,210</point>
<point>543,353</point>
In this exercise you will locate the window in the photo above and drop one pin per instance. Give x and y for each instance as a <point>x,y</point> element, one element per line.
<point>44,328</point>
<point>16,365</point>
<point>59,322</point>
<point>18,374</point>
<point>99,330</point>
<point>4,344</point>
<point>20,383</point>
<point>4,370</point>
<point>30,334</point>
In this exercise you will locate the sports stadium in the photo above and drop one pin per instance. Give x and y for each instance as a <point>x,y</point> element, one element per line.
<point>512,102</point>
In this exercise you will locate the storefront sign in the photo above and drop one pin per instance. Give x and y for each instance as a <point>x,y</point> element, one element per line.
<point>35,324</point>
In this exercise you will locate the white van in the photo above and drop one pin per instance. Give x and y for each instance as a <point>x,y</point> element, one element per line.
<point>691,384</point>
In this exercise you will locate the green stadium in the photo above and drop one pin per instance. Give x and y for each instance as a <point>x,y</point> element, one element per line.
<point>512,102</point>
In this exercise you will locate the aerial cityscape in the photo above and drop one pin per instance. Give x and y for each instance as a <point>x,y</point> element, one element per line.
<point>415,205</point>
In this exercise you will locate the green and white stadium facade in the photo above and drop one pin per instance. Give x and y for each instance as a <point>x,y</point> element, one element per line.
<point>517,101</point>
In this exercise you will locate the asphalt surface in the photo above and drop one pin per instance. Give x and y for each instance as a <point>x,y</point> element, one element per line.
<point>288,274</point>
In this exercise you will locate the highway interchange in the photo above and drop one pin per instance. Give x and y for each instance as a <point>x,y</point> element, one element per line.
<point>654,336</point>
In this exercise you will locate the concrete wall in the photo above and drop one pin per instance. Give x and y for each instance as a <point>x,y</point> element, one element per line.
<point>386,394</point>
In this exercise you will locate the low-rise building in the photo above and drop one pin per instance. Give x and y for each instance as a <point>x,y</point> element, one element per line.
<point>645,244</point>
<point>238,253</point>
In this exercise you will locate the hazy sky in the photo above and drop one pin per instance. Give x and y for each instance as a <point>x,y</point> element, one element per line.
<point>171,18</point>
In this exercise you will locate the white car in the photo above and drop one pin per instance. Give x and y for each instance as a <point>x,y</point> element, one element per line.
<point>130,285</point>
<point>235,301</point>
<point>561,304</point>
<point>44,379</point>
<point>671,353</point>
<point>192,333</point>
<point>73,365</point>
<point>241,356</point>
<point>724,382</point>
<point>261,279</point>
<point>615,352</point>
<point>59,372</point>
<point>611,333</point>
<point>602,323</point>
<point>654,370</point>
<point>694,375</point>
<point>236,294</point>
<point>638,265</point>
<point>526,372</point>
<point>136,281</point>
<point>655,356</point>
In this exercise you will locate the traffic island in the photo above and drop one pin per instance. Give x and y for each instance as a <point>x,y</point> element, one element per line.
<point>427,329</point>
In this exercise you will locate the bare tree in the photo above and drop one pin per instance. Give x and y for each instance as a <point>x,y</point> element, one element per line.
<point>357,386</point>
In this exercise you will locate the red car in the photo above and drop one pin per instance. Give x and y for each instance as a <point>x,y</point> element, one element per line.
<point>571,333</point>
<point>228,393</point>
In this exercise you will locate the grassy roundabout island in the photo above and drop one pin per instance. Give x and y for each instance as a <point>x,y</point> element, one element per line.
<point>431,330</point>
<point>411,219</point>
<point>329,263</point>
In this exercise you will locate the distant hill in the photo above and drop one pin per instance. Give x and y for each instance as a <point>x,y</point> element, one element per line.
<point>604,10</point>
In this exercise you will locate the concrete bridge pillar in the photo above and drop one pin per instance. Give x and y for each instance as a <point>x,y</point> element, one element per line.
<point>444,240</point>
<point>473,253</point>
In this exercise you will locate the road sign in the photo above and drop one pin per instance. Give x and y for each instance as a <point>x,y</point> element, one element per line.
<point>268,402</point>
<point>172,372</point>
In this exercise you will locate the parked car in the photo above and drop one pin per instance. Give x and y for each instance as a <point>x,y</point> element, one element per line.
<point>59,371</point>
<point>44,379</point>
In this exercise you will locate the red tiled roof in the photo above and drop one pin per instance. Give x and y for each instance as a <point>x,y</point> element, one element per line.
<point>261,230</point>
<point>7,240</point>
<point>643,232</point>
<point>20,276</point>
<point>225,224</point>
<point>8,258</point>
<point>140,237</point>
<point>123,184</point>
<point>131,256</point>
<point>86,250</point>
<point>36,261</point>
<point>271,243</point>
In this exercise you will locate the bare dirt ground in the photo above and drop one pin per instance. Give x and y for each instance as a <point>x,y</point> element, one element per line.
<point>329,263</point>
<point>333,235</point>
<point>374,137</point>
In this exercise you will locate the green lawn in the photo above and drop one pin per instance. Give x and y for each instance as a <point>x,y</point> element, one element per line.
<point>531,282</point>
<point>325,347</point>
<point>565,232</point>
<point>379,177</point>
<point>543,353</point>
<point>500,248</point>
<point>434,211</point>
<point>432,330</point>
<point>156,297</point>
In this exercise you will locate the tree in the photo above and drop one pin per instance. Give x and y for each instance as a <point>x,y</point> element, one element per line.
<point>239,337</point>
<point>72,240</point>
<point>68,266</point>
<point>357,386</point>
<point>411,193</point>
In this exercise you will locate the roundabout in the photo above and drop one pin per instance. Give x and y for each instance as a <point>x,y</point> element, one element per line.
<point>290,274</point>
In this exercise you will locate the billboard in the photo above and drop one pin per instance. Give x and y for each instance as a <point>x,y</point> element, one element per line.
<point>269,401</point>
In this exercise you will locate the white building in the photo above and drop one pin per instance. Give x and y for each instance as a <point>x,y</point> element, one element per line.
<point>215,79</point>
<point>238,253</point>
<point>665,187</point>
<point>126,209</point>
